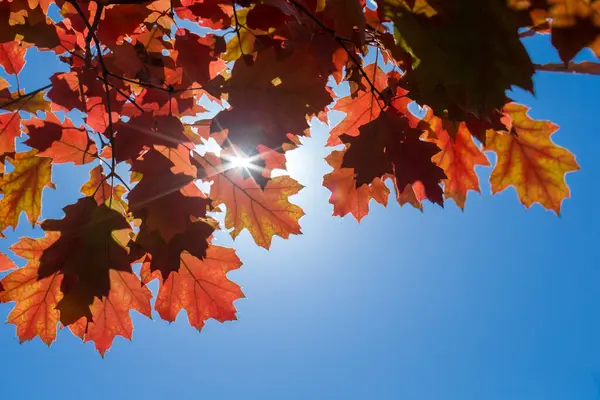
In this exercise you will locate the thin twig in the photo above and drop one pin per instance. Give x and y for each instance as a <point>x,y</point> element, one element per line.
<point>33,93</point>
<point>127,97</point>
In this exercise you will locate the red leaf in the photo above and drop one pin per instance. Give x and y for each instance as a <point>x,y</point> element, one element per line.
<point>61,141</point>
<point>389,145</point>
<point>271,99</point>
<point>12,56</point>
<point>10,129</point>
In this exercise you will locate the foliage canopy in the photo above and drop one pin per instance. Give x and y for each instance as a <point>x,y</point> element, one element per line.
<point>138,74</point>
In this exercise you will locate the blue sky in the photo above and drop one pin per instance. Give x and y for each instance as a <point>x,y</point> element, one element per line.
<point>498,302</point>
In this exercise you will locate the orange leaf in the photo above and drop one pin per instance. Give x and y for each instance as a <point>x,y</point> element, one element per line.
<point>265,213</point>
<point>200,287</point>
<point>23,188</point>
<point>6,263</point>
<point>110,316</point>
<point>345,196</point>
<point>529,160</point>
<point>35,312</point>
<point>458,158</point>
<point>360,109</point>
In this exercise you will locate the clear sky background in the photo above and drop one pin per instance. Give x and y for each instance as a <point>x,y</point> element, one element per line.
<point>498,302</point>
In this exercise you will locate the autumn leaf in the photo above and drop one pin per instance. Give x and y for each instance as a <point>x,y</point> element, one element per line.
<point>529,160</point>
<point>110,315</point>
<point>159,199</point>
<point>443,45</point>
<point>121,20</point>
<point>360,109</point>
<point>12,57</point>
<point>390,145</point>
<point>200,287</point>
<point>18,101</point>
<point>6,263</point>
<point>458,157</point>
<point>263,212</point>
<point>23,188</point>
<point>87,228</point>
<point>10,130</point>
<point>61,141</point>
<point>346,197</point>
<point>35,312</point>
<point>271,99</point>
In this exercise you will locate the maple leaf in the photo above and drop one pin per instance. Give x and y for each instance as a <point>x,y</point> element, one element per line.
<point>212,14</point>
<point>12,56</point>
<point>159,198</point>
<point>360,109</point>
<point>61,141</point>
<point>458,158</point>
<point>31,25</point>
<point>443,45</point>
<point>389,145</point>
<point>145,131</point>
<point>346,197</point>
<point>103,192</point>
<point>6,263</point>
<point>200,287</point>
<point>35,312</point>
<point>67,91</point>
<point>121,20</point>
<point>165,255</point>
<point>529,160</point>
<point>575,25</point>
<point>87,228</point>
<point>18,101</point>
<point>110,315</point>
<point>271,99</point>
<point>195,55</point>
<point>23,188</point>
<point>263,212</point>
<point>10,129</point>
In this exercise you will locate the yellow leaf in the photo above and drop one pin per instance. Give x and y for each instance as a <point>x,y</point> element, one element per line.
<point>529,160</point>
<point>30,104</point>
<point>22,188</point>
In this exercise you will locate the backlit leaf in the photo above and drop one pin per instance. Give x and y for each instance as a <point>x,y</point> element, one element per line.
<point>22,188</point>
<point>110,315</point>
<point>529,160</point>
<point>35,312</point>
<point>200,287</point>
<point>263,212</point>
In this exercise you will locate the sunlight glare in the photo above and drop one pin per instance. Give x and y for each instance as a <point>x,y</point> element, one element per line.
<point>241,162</point>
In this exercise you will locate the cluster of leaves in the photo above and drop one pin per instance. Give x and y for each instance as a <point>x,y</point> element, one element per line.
<point>134,84</point>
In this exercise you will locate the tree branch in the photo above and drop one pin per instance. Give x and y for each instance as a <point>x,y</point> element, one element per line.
<point>585,67</point>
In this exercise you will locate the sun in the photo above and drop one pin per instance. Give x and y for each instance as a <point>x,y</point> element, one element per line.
<point>241,162</point>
